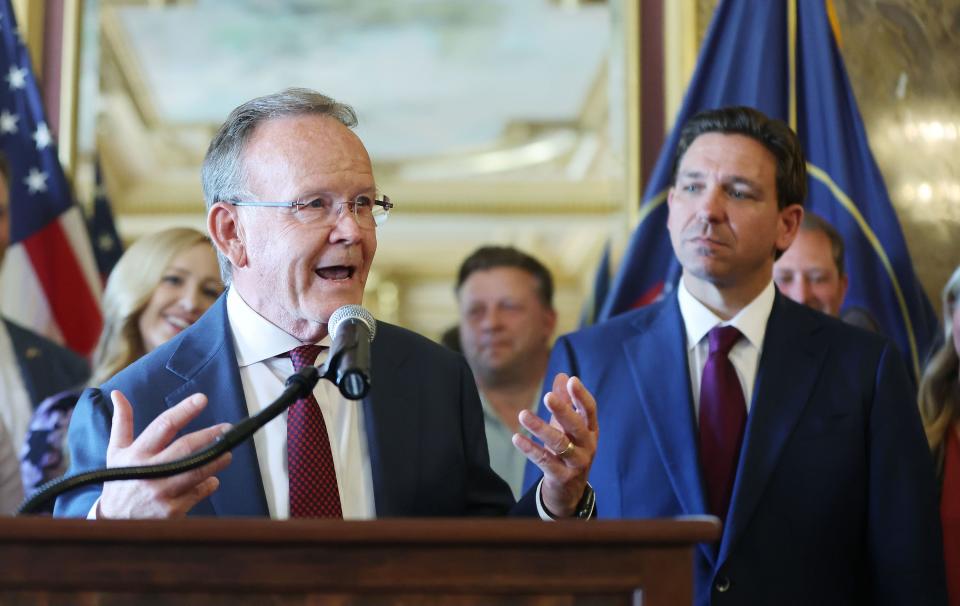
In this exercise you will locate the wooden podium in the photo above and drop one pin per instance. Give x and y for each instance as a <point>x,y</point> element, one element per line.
<point>437,561</point>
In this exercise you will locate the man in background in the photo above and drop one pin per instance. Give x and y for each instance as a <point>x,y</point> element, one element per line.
<point>32,368</point>
<point>507,321</point>
<point>811,271</point>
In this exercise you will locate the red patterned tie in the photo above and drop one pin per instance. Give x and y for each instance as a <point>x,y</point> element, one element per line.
<point>723,415</point>
<point>313,478</point>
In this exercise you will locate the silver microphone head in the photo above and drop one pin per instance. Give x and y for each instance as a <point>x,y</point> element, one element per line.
<point>347,312</point>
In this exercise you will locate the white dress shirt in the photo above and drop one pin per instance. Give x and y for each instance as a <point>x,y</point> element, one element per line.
<point>257,343</point>
<point>745,354</point>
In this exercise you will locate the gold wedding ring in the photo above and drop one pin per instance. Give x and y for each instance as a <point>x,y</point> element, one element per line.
<point>567,449</point>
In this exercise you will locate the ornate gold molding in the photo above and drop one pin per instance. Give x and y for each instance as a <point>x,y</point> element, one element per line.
<point>680,46</point>
<point>70,85</point>
<point>30,16</point>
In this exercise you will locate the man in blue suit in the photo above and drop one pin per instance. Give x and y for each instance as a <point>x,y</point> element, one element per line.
<point>804,437</point>
<point>292,210</point>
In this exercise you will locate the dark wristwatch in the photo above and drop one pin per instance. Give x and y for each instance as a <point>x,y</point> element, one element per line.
<point>585,506</point>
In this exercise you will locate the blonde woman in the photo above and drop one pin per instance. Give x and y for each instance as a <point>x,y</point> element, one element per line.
<point>161,285</point>
<point>940,407</point>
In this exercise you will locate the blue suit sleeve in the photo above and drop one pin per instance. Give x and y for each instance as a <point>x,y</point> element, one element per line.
<point>87,441</point>
<point>904,535</point>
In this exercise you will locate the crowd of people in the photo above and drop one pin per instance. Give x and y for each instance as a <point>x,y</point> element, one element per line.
<point>749,393</point>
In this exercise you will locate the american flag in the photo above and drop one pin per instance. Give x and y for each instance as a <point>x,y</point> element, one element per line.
<point>107,245</point>
<point>49,281</point>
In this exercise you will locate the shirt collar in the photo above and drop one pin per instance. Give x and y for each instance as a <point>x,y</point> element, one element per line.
<point>255,338</point>
<point>751,320</point>
<point>490,415</point>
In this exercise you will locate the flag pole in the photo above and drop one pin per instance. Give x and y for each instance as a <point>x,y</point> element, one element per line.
<point>792,61</point>
<point>71,34</point>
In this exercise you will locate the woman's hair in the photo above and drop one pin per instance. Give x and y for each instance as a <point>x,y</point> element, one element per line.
<point>129,288</point>
<point>940,386</point>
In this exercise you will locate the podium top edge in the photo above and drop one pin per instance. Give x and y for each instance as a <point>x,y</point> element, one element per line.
<point>479,531</point>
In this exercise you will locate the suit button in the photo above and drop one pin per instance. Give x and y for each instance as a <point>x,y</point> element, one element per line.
<point>721,584</point>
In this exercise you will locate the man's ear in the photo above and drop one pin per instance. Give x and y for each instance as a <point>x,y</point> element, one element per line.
<point>844,284</point>
<point>225,230</point>
<point>551,322</point>
<point>789,225</point>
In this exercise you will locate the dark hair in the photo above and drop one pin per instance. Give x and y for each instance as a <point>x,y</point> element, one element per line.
<point>491,257</point>
<point>775,135</point>
<point>451,338</point>
<point>814,222</point>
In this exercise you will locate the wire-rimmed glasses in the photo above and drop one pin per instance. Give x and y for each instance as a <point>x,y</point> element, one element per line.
<point>368,212</point>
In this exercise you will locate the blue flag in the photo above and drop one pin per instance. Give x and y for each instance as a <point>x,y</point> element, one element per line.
<point>50,282</point>
<point>107,246</point>
<point>780,56</point>
<point>601,287</point>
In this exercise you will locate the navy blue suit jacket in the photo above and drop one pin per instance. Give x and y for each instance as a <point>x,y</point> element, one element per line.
<point>46,367</point>
<point>834,500</point>
<point>423,421</point>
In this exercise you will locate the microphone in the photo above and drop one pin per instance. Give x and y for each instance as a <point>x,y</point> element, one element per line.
<point>352,329</point>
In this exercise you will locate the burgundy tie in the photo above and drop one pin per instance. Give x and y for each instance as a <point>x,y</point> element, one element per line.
<point>723,414</point>
<point>313,478</point>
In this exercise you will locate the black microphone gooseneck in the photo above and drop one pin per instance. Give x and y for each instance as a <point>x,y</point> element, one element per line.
<point>298,385</point>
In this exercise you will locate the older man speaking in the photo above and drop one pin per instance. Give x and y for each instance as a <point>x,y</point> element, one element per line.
<point>292,207</point>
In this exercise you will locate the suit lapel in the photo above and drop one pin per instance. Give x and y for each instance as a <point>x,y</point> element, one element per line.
<point>391,417</point>
<point>789,365</point>
<point>664,388</point>
<point>30,360</point>
<point>205,359</point>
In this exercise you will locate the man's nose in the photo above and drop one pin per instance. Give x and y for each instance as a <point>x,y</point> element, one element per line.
<point>798,290</point>
<point>712,205</point>
<point>346,226</point>
<point>491,319</point>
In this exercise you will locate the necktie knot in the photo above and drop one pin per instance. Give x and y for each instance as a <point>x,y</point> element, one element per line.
<point>722,339</point>
<point>305,355</point>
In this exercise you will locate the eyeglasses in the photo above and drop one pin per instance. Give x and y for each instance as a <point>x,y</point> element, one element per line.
<point>368,212</point>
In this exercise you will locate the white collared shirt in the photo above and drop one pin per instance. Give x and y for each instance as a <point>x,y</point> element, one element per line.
<point>745,354</point>
<point>257,343</point>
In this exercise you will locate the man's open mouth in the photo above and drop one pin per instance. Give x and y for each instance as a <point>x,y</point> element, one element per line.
<point>336,272</point>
